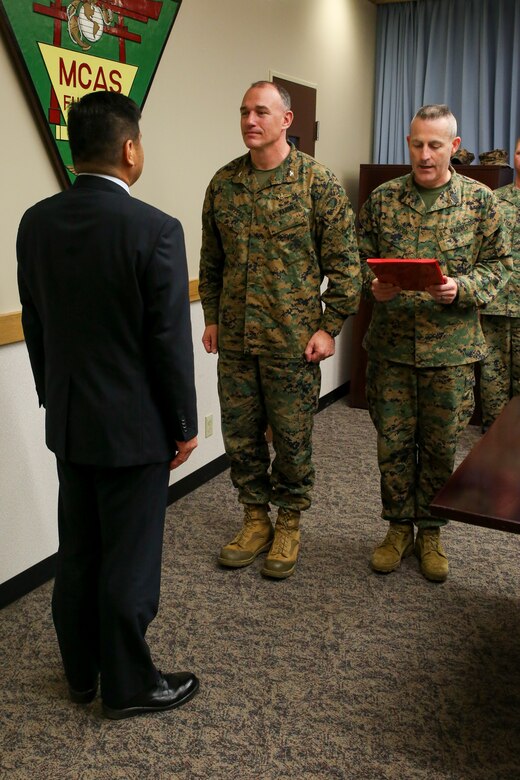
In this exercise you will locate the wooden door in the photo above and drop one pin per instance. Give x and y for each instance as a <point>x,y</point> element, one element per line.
<point>302,132</point>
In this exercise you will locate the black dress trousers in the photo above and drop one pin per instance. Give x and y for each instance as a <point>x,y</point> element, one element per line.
<point>101,611</point>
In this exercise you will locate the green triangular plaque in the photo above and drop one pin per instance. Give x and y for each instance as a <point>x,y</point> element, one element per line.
<point>66,48</point>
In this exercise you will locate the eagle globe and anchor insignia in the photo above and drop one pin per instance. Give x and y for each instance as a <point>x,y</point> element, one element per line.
<point>86,20</point>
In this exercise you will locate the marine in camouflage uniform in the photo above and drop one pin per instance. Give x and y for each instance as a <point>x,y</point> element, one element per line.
<point>269,239</point>
<point>500,369</point>
<point>422,345</point>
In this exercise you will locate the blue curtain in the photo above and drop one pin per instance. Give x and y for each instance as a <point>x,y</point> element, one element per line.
<point>465,53</point>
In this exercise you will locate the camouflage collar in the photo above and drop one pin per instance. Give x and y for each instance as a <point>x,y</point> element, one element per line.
<point>287,171</point>
<point>452,195</point>
<point>510,193</point>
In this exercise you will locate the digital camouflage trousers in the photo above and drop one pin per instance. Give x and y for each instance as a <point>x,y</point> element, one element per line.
<point>500,369</point>
<point>283,393</point>
<point>419,414</point>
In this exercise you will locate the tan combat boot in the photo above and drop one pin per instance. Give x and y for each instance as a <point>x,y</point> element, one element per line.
<point>281,558</point>
<point>429,550</point>
<point>254,538</point>
<point>397,544</point>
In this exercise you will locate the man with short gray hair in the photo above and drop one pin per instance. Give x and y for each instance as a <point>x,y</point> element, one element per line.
<point>422,346</point>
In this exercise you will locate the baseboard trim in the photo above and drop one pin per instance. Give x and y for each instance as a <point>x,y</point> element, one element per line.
<point>333,396</point>
<point>27,580</point>
<point>198,478</point>
<point>37,575</point>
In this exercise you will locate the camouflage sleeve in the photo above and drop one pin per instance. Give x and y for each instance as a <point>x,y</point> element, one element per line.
<point>211,262</point>
<point>493,264</point>
<point>339,257</point>
<point>368,246</point>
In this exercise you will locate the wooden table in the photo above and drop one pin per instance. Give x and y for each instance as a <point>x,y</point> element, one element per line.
<point>485,489</point>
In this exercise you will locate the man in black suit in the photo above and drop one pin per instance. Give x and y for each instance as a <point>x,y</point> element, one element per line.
<point>105,311</point>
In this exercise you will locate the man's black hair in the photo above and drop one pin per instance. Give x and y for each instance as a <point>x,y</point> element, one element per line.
<point>99,124</point>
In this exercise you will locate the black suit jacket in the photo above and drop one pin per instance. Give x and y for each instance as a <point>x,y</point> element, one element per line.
<point>105,311</point>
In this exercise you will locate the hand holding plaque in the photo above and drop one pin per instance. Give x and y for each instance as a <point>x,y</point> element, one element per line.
<point>409,273</point>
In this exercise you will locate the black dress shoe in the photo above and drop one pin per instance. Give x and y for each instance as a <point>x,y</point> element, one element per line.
<point>82,697</point>
<point>171,691</point>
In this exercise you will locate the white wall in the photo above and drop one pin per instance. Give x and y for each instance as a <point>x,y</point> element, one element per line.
<point>219,48</point>
<point>28,484</point>
<point>190,127</point>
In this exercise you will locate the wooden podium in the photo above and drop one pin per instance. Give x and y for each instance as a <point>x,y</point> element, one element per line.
<point>370,177</point>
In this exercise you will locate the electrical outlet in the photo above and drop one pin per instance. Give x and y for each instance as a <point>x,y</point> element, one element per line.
<point>208,425</point>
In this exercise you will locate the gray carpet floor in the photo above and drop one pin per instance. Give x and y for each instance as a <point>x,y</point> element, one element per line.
<point>335,673</point>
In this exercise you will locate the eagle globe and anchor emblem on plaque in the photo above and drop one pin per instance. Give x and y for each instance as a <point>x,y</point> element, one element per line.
<point>65,48</point>
<point>87,21</point>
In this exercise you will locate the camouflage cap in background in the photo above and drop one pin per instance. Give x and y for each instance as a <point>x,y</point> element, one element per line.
<point>462,157</point>
<point>495,157</point>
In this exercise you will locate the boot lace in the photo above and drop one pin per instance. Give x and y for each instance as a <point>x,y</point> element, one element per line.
<point>395,534</point>
<point>281,544</point>
<point>431,544</point>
